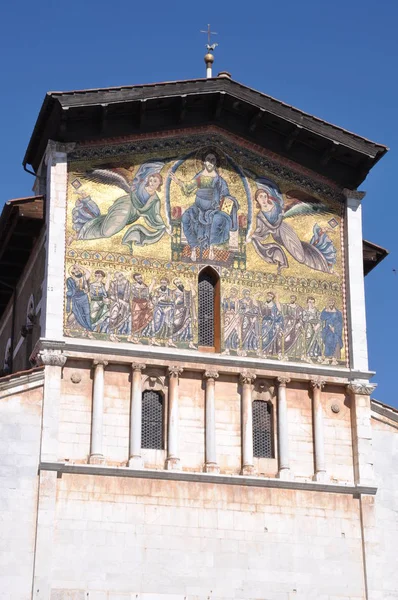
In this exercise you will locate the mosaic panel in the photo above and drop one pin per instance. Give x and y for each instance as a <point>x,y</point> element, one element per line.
<point>141,226</point>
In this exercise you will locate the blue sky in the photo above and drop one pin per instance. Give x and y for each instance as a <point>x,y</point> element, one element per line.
<point>336,60</point>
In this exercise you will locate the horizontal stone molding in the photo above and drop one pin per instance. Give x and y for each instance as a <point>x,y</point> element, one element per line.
<point>310,486</point>
<point>19,382</point>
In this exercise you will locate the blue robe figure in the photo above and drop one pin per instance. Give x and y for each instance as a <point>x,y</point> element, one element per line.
<point>77,301</point>
<point>271,326</point>
<point>332,330</point>
<point>324,244</point>
<point>214,213</point>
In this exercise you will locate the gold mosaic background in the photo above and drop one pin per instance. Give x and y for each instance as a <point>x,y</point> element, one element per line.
<point>140,229</point>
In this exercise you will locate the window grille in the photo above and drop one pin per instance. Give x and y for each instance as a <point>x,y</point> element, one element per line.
<point>152,420</point>
<point>262,429</point>
<point>206,309</point>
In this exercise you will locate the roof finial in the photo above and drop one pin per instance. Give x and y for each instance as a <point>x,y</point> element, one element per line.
<point>209,58</point>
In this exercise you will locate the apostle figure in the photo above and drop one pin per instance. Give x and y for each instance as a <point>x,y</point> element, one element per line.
<point>184,313</point>
<point>141,308</point>
<point>205,224</point>
<point>249,314</point>
<point>99,301</point>
<point>271,326</point>
<point>161,326</point>
<point>119,311</point>
<point>312,329</point>
<point>332,331</point>
<point>293,330</point>
<point>270,222</point>
<point>77,302</point>
<point>232,318</point>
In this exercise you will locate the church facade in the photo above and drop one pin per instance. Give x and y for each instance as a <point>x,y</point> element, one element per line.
<point>186,398</point>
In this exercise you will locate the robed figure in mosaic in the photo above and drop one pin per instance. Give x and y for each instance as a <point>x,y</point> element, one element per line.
<point>208,222</point>
<point>141,200</point>
<point>270,222</point>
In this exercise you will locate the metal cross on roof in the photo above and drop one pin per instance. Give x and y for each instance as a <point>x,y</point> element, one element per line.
<point>209,46</point>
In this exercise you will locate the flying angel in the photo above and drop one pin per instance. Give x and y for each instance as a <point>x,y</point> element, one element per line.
<point>318,254</point>
<point>141,199</point>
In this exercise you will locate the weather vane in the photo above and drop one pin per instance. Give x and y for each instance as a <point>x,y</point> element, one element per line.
<point>210,47</point>
<point>209,58</point>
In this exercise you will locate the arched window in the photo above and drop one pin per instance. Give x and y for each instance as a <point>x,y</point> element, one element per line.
<point>152,420</point>
<point>262,429</point>
<point>209,310</point>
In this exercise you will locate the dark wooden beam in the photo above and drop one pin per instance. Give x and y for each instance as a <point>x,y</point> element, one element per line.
<point>182,110</point>
<point>142,113</point>
<point>219,105</point>
<point>255,120</point>
<point>103,117</point>
<point>329,152</point>
<point>291,139</point>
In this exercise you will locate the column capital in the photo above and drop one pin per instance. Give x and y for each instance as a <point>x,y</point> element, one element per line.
<point>282,381</point>
<point>138,367</point>
<point>97,362</point>
<point>53,358</point>
<point>247,377</point>
<point>317,383</point>
<point>364,389</point>
<point>354,195</point>
<point>175,371</point>
<point>210,374</point>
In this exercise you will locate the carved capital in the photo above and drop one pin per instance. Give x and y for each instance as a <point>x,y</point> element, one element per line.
<point>247,377</point>
<point>138,367</point>
<point>365,389</point>
<point>354,194</point>
<point>52,358</point>
<point>97,362</point>
<point>283,381</point>
<point>210,375</point>
<point>175,371</point>
<point>317,383</point>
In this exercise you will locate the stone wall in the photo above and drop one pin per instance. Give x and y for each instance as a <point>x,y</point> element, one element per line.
<point>20,421</point>
<point>116,538</point>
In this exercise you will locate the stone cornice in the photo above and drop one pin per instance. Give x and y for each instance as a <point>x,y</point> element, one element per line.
<point>310,486</point>
<point>199,361</point>
<point>27,381</point>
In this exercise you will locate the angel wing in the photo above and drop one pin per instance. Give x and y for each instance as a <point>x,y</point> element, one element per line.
<point>301,203</point>
<point>108,177</point>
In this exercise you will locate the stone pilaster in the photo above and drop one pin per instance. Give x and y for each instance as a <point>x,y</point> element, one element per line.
<point>96,452</point>
<point>284,471</point>
<point>247,379</point>
<point>356,295</point>
<point>135,458</point>
<point>211,465</point>
<point>55,159</point>
<point>173,459</point>
<point>362,432</point>
<point>317,420</point>
<point>53,361</point>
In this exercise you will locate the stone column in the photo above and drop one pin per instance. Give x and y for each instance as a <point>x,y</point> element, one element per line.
<point>210,424</point>
<point>356,297</point>
<point>362,432</point>
<point>96,454</point>
<point>247,379</point>
<point>135,459</point>
<point>283,432</point>
<point>317,423</point>
<point>173,460</point>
